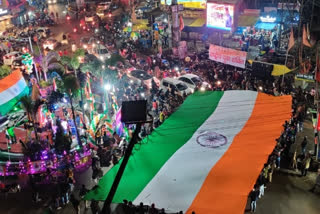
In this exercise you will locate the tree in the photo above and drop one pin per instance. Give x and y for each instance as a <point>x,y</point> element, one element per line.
<point>62,142</point>
<point>4,71</point>
<point>31,108</point>
<point>72,86</point>
<point>93,65</point>
<point>49,62</point>
<point>111,74</point>
<point>114,60</point>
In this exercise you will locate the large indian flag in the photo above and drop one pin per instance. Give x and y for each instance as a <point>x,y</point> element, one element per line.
<point>206,156</point>
<point>12,88</point>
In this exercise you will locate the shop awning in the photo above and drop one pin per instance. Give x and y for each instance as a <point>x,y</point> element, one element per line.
<point>247,21</point>
<point>198,23</point>
<point>265,26</point>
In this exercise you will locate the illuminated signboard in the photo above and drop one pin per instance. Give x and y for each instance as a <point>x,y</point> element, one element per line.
<point>2,11</point>
<point>268,19</point>
<point>220,16</point>
<point>200,4</point>
<point>166,2</point>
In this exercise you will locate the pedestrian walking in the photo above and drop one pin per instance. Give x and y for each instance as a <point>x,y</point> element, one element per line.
<point>75,203</point>
<point>294,165</point>
<point>95,209</point>
<point>57,17</point>
<point>262,183</point>
<point>83,191</point>
<point>305,165</point>
<point>304,144</point>
<point>271,169</point>
<point>254,197</point>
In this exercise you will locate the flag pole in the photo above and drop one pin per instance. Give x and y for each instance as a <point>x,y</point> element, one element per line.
<point>285,63</point>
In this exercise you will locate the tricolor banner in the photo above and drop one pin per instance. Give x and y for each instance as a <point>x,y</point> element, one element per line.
<point>205,157</point>
<point>12,88</point>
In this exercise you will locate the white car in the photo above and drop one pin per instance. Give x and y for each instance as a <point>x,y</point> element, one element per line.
<point>193,81</point>
<point>50,44</point>
<point>42,32</point>
<point>101,52</point>
<point>140,77</point>
<point>104,5</point>
<point>10,57</point>
<point>179,86</point>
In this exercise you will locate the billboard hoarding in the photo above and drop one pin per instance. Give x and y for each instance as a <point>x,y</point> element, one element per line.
<point>197,4</point>
<point>220,16</point>
<point>228,56</point>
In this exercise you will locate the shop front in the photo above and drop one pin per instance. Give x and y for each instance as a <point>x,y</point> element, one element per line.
<point>19,14</point>
<point>5,19</point>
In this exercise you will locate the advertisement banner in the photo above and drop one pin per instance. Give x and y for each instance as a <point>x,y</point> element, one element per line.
<point>220,16</point>
<point>197,4</point>
<point>228,56</point>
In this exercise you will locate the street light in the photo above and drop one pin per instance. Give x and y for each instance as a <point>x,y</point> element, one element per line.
<point>107,87</point>
<point>103,67</point>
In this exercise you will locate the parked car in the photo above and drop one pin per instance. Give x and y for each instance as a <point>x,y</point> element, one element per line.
<point>10,57</point>
<point>103,12</point>
<point>104,5</point>
<point>101,52</point>
<point>43,32</point>
<point>140,77</point>
<point>50,44</point>
<point>89,43</point>
<point>179,86</point>
<point>193,81</point>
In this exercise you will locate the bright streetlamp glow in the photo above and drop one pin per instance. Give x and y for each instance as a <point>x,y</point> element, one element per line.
<point>107,87</point>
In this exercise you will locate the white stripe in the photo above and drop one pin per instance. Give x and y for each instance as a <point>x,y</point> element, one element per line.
<point>13,91</point>
<point>179,180</point>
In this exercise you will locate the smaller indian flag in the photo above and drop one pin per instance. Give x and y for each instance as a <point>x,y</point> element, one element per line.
<point>12,88</point>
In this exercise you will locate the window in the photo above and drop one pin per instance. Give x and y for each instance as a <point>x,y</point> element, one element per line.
<point>165,84</point>
<point>196,80</point>
<point>172,86</point>
<point>186,80</point>
<point>181,87</point>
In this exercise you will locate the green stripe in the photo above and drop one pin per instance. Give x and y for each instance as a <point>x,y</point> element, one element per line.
<point>149,156</point>
<point>7,107</point>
